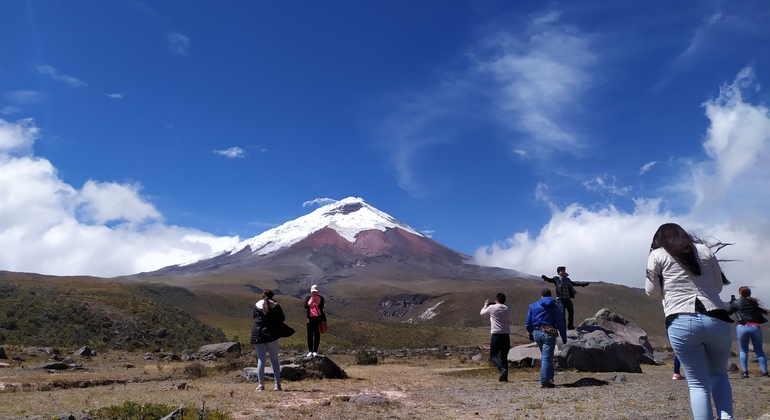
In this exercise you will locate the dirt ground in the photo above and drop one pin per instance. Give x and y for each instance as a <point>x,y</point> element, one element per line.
<point>451,387</point>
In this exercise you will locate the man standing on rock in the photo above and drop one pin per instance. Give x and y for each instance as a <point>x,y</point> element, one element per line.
<point>565,292</point>
<point>544,324</point>
<point>500,343</point>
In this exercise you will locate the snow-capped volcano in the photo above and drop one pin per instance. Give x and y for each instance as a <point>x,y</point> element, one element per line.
<point>347,239</point>
<point>347,217</point>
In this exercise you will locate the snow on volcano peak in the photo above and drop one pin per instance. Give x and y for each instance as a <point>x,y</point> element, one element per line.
<point>348,217</point>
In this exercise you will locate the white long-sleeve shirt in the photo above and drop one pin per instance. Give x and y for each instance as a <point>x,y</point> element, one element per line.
<point>499,318</point>
<point>680,287</point>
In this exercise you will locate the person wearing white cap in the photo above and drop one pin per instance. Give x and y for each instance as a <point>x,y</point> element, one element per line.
<point>314,305</point>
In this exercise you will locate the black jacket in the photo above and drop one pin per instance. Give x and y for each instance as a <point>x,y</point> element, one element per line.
<point>266,327</point>
<point>746,310</point>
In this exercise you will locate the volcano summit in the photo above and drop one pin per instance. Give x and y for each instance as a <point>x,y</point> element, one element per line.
<point>340,240</point>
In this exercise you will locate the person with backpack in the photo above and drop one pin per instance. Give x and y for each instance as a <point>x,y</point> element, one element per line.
<point>268,319</point>
<point>749,315</point>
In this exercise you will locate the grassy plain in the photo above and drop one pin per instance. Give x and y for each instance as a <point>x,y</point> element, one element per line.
<point>430,386</point>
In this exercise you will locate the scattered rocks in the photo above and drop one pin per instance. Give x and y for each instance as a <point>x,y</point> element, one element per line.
<point>619,377</point>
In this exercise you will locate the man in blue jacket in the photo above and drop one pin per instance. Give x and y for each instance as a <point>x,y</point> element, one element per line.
<point>544,323</point>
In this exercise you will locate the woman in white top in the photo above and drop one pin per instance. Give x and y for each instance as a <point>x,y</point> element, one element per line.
<point>686,275</point>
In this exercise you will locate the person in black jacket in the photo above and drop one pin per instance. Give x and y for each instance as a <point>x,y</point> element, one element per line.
<point>565,292</point>
<point>750,315</point>
<point>314,305</point>
<point>268,317</point>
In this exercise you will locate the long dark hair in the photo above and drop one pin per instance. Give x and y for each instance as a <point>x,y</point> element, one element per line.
<point>267,294</point>
<point>745,292</point>
<point>679,244</point>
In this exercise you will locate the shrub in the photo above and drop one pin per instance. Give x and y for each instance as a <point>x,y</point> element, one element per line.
<point>130,410</point>
<point>233,362</point>
<point>366,357</point>
<point>195,370</point>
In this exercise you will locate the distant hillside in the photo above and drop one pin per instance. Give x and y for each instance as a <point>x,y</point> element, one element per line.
<point>393,307</point>
<point>390,308</point>
<point>67,312</point>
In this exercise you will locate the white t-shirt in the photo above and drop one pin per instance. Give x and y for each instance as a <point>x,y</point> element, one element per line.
<point>499,318</point>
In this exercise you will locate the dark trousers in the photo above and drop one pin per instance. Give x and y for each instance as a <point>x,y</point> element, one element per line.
<point>313,335</point>
<point>566,306</point>
<point>499,346</point>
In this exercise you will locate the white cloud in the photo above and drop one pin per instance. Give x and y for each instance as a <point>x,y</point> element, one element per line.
<point>25,97</point>
<point>526,85</point>
<point>179,43</point>
<point>539,78</point>
<point>646,167</point>
<point>233,152</point>
<point>428,232</point>
<point>105,202</point>
<point>53,74</point>
<point>319,202</point>
<point>17,136</point>
<point>102,229</point>
<point>729,203</point>
<point>116,95</point>
<point>8,110</point>
<point>606,184</point>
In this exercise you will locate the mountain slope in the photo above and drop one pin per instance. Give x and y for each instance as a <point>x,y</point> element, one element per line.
<point>343,239</point>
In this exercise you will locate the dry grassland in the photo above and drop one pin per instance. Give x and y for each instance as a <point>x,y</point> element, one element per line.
<point>454,387</point>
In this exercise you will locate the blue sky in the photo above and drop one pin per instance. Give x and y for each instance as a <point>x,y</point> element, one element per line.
<point>134,134</point>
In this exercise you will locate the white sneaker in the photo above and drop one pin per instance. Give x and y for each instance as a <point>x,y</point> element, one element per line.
<point>315,354</point>
<point>278,387</point>
<point>309,354</point>
<point>261,387</point>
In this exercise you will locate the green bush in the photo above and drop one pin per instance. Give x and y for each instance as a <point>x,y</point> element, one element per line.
<point>130,410</point>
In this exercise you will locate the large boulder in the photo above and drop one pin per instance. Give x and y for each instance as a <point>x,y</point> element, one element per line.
<point>527,355</point>
<point>624,331</point>
<point>84,351</point>
<point>320,367</point>
<point>289,372</point>
<point>605,343</point>
<point>219,349</point>
<point>298,368</point>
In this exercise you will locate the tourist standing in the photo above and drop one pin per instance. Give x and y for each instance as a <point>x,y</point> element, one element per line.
<point>314,305</point>
<point>500,341</point>
<point>565,292</point>
<point>749,315</point>
<point>544,323</point>
<point>685,274</point>
<point>268,316</point>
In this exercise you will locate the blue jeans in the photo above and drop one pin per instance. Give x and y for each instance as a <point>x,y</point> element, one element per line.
<point>746,333</point>
<point>702,344</point>
<point>272,348</point>
<point>547,344</point>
